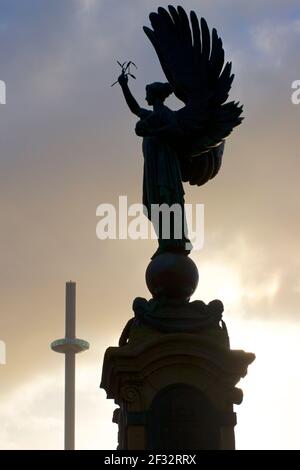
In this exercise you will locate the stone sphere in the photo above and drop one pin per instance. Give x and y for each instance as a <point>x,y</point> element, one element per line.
<point>173,276</point>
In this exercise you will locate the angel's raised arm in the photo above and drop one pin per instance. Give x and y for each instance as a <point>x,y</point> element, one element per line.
<point>130,100</point>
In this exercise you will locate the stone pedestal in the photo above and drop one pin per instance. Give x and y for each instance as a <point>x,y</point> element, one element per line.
<point>174,390</point>
<point>174,375</point>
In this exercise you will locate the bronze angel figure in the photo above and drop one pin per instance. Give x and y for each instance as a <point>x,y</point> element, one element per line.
<point>185,145</point>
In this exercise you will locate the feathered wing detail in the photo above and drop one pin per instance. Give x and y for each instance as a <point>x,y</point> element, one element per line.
<point>202,168</point>
<point>192,59</point>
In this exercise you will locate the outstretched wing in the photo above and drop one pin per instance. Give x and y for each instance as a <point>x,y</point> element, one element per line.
<point>193,62</point>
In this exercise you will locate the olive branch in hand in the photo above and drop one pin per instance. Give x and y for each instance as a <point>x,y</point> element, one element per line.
<point>126,69</point>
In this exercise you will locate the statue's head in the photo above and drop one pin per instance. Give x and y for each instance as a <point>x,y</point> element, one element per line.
<point>158,91</point>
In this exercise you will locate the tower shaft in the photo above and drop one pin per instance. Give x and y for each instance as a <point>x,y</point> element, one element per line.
<point>70,400</point>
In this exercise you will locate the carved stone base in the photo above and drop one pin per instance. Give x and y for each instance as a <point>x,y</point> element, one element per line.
<point>174,390</point>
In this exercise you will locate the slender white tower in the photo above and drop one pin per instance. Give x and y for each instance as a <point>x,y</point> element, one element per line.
<point>69,346</point>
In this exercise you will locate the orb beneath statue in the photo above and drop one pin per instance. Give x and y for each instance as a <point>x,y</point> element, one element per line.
<point>172,276</point>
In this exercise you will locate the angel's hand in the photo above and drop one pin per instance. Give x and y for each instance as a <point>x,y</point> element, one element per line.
<point>123,79</point>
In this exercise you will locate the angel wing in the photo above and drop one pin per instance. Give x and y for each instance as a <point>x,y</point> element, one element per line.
<point>193,62</point>
<point>202,168</point>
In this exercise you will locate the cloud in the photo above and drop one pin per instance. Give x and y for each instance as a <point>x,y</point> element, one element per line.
<point>31,412</point>
<point>277,41</point>
<point>249,281</point>
<point>274,344</point>
<point>32,415</point>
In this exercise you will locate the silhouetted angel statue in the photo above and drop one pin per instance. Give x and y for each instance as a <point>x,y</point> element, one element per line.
<point>184,145</point>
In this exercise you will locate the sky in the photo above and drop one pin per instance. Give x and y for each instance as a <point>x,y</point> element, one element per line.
<point>68,144</point>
